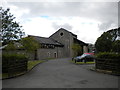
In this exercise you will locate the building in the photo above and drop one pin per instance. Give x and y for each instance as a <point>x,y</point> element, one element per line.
<point>58,45</point>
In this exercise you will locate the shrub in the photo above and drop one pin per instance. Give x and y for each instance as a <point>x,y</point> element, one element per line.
<point>108,55</point>
<point>12,60</point>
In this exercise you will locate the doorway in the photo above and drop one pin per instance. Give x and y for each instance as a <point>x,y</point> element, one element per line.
<point>55,55</point>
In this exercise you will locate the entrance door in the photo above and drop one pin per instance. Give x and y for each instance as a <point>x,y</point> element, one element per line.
<point>55,55</point>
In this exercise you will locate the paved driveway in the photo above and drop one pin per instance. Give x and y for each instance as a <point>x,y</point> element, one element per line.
<point>60,73</point>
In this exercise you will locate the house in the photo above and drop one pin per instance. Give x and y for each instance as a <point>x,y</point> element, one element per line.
<point>58,45</point>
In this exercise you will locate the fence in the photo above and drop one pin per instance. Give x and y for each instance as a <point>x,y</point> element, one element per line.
<point>108,64</point>
<point>14,67</point>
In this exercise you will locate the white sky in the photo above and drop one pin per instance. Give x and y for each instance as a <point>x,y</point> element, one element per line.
<point>88,20</point>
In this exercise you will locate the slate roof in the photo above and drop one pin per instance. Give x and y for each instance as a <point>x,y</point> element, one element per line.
<point>44,40</point>
<point>81,42</point>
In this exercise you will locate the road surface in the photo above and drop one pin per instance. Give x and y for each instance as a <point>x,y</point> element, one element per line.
<point>61,73</point>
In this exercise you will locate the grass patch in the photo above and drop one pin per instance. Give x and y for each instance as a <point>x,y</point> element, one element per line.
<point>82,62</point>
<point>31,64</point>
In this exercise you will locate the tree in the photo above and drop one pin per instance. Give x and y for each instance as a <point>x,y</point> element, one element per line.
<point>77,49</point>
<point>107,41</point>
<point>29,44</point>
<point>116,46</point>
<point>11,30</point>
<point>104,43</point>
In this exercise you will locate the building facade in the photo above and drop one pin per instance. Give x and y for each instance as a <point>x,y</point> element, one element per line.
<point>58,45</point>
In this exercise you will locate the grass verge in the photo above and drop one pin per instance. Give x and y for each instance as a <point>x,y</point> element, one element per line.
<point>31,64</point>
<point>82,62</point>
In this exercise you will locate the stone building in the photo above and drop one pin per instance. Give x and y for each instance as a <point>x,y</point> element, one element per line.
<point>58,45</point>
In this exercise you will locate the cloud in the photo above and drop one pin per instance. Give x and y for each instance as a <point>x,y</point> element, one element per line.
<point>65,26</point>
<point>44,18</point>
<point>104,26</point>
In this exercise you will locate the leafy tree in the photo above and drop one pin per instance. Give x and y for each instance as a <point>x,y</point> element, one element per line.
<point>104,43</point>
<point>77,49</point>
<point>116,46</point>
<point>107,41</point>
<point>29,44</point>
<point>10,46</point>
<point>11,30</point>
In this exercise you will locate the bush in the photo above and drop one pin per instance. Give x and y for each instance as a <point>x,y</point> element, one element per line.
<point>108,55</point>
<point>13,60</point>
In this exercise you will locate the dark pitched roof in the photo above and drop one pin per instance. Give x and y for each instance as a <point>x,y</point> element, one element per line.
<point>80,42</point>
<point>44,40</point>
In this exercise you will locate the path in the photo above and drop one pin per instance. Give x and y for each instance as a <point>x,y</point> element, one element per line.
<point>60,73</point>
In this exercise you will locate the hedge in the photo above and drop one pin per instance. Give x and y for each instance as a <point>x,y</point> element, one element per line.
<point>108,55</point>
<point>14,62</point>
<point>108,61</point>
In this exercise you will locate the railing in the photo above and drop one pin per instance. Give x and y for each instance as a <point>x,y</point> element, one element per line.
<point>109,65</point>
<point>14,67</point>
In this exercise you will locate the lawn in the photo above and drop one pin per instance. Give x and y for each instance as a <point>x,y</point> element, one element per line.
<point>82,62</point>
<point>31,64</point>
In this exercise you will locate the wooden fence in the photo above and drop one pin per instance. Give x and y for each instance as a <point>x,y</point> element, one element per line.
<point>14,67</point>
<point>109,65</point>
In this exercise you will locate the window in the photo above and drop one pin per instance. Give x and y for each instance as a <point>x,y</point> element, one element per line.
<point>61,34</point>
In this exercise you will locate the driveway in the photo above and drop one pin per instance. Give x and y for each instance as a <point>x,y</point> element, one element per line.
<point>60,73</point>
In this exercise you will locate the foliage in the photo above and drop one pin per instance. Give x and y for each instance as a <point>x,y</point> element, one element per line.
<point>108,55</point>
<point>10,46</point>
<point>29,44</point>
<point>77,49</point>
<point>11,30</point>
<point>13,56</point>
<point>116,46</point>
<point>107,41</point>
<point>12,59</point>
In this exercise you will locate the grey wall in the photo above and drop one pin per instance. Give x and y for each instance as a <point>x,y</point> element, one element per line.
<point>66,40</point>
<point>50,53</point>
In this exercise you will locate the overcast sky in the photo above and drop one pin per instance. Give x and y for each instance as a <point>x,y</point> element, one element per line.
<point>88,20</point>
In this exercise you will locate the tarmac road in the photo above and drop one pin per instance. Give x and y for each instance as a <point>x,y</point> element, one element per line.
<point>61,73</point>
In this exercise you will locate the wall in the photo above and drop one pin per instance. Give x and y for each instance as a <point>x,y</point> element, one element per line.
<point>65,39</point>
<point>50,53</point>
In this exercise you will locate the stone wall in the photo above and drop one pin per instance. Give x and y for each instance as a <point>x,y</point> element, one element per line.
<point>63,37</point>
<point>57,52</point>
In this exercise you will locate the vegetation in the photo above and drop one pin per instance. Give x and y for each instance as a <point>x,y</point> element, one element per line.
<point>29,44</point>
<point>77,49</point>
<point>11,30</point>
<point>108,41</point>
<point>10,46</point>
<point>108,55</point>
<point>31,64</point>
<point>12,59</point>
<point>82,62</point>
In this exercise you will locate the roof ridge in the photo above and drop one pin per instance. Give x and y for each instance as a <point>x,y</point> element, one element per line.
<point>38,36</point>
<point>62,29</point>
